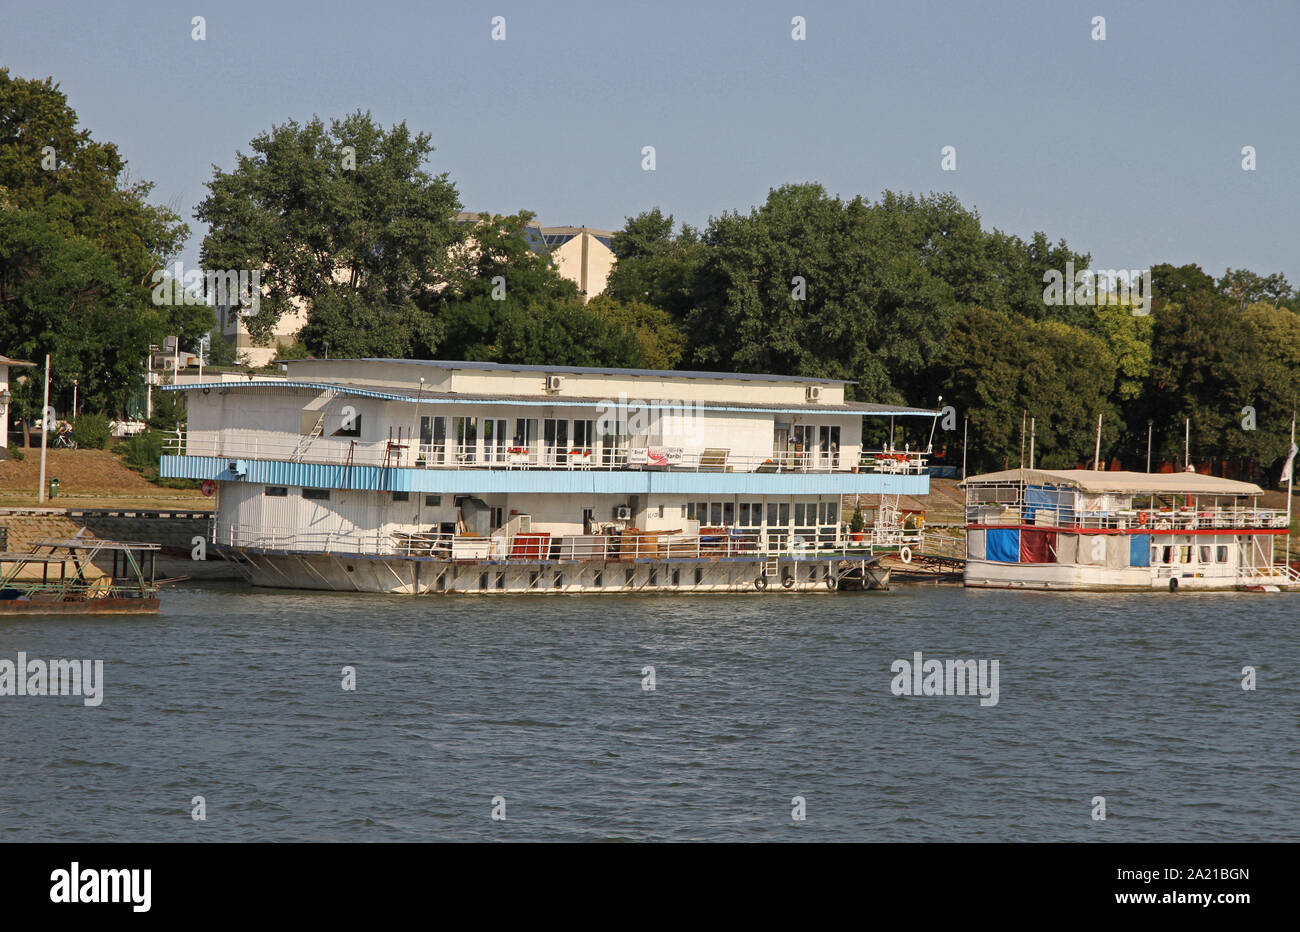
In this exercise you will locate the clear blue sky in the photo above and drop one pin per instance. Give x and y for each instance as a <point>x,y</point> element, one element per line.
<point>1128,148</point>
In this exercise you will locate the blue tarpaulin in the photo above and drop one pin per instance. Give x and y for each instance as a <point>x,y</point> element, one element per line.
<point>1002,544</point>
<point>1139,550</point>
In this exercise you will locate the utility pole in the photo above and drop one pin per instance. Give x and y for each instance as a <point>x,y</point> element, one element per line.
<point>1290,485</point>
<point>1187,444</point>
<point>74,399</point>
<point>1150,424</point>
<point>1033,434</point>
<point>965,431</point>
<point>45,431</point>
<point>1096,456</point>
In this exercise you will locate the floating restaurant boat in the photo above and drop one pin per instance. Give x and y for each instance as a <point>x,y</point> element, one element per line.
<point>63,577</point>
<point>407,476</point>
<point>1089,529</point>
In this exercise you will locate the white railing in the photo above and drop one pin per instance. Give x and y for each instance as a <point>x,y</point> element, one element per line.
<point>408,453</point>
<point>1183,519</point>
<point>538,545</point>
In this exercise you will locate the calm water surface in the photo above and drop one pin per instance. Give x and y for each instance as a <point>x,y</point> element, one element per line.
<point>235,695</point>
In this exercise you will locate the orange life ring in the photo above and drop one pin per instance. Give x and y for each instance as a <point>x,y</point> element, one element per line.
<point>1143,518</point>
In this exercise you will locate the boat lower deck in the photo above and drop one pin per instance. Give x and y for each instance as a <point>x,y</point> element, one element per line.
<point>427,576</point>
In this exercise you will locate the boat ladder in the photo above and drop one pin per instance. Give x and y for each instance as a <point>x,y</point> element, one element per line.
<point>316,430</point>
<point>771,567</point>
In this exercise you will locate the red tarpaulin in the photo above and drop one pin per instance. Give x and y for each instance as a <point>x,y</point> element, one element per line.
<point>1037,546</point>
<point>530,547</point>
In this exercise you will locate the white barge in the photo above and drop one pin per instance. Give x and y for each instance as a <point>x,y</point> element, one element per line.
<point>415,476</point>
<point>1085,529</point>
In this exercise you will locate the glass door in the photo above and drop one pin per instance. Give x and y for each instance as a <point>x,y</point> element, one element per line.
<point>433,440</point>
<point>828,447</point>
<point>523,448</point>
<point>494,441</point>
<point>465,430</point>
<point>584,442</point>
<point>555,442</point>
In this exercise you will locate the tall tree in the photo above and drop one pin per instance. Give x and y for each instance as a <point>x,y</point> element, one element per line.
<point>342,221</point>
<point>79,247</point>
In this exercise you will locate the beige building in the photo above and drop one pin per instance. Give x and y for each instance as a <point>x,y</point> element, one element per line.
<point>583,255</point>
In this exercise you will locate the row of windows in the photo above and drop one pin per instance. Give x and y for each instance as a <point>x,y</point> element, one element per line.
<point>750,514</point>
<point>323,495</point>
<point>497,580</point>
<point>1183,554</point>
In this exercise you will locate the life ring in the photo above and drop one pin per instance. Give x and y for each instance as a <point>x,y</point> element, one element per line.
<point>787,583</point>
<point>831,582</point>
<point>905,554</point>
<point>760,583</point>
<point>1143,518</point>
<point>209,487</point>
<point>1173,585</point>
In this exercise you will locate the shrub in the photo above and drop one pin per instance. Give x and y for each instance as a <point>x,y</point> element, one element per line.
<point>92,431</point>
<point>17,452</point>
<point>141,452</point>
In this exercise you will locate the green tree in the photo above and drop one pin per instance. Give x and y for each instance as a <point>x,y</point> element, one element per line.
<point>662,342</point>
<point>343,221</point>
<point>79,248</point>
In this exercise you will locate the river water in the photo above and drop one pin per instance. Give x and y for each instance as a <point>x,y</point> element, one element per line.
<point>236,695</point>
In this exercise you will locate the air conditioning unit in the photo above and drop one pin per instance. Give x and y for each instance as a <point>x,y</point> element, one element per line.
<point>622,513</point>
<point>553,383</point>
<point>814,393</point>
<point>237,467</point>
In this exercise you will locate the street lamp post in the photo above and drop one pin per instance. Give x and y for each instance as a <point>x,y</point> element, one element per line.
<point>1150,423</point>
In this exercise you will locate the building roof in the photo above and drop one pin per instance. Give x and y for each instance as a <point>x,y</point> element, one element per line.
<point>591,370</point>
<point>6,361</point>
<point>1134,483</point>
<point>388,393</point>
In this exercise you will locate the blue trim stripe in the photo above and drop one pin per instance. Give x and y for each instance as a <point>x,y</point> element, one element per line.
<point>555,481</point>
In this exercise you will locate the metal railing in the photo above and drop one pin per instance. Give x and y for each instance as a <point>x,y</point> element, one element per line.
<point>537,545</point>
<point>484,455</point>
<point>1183,519</point>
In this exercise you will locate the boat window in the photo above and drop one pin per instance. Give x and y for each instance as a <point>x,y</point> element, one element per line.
<point>1168,556</point>
<point>1185,553</point>
<point>715,514</point>
<point>277,491</point>
<point>1221,553</point>
<point>729,513</point>
<point>317,495</point>
<point>744,514</point>
<point>1204,556</point>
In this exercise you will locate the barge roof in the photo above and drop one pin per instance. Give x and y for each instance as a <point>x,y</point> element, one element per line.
<point>596,370</point>
<point>1135,483</point>
<point>388,393</point>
